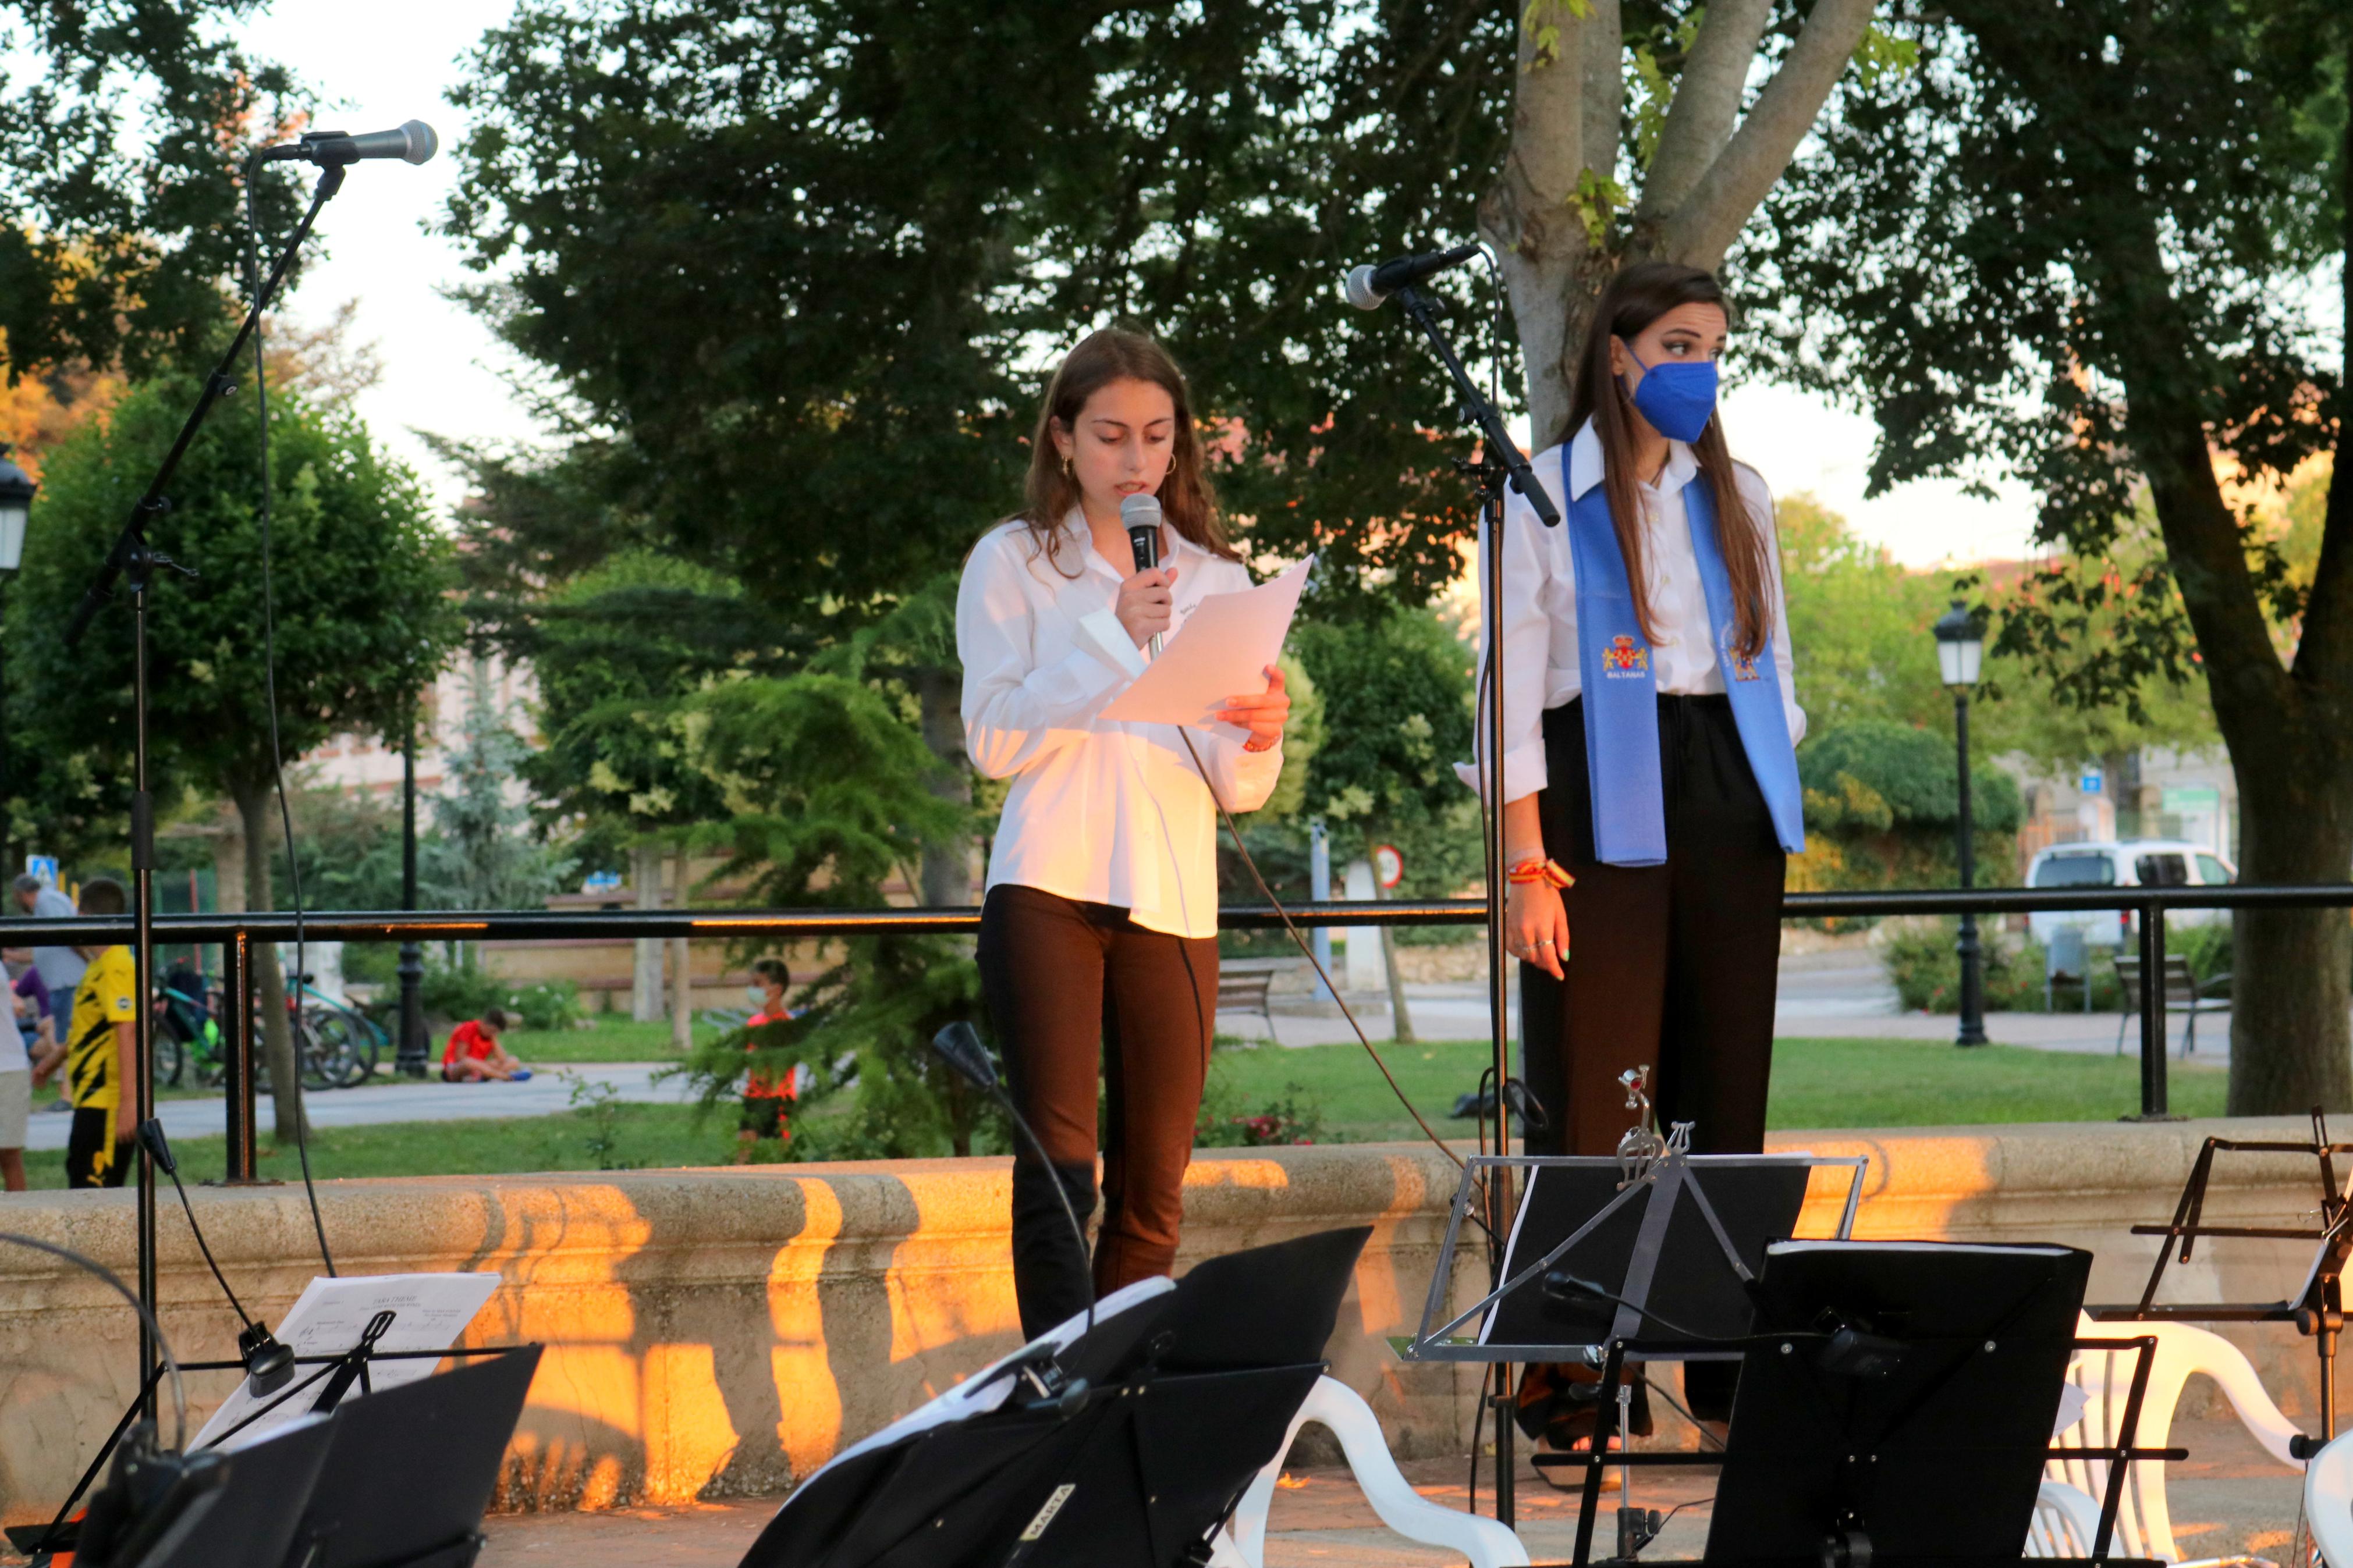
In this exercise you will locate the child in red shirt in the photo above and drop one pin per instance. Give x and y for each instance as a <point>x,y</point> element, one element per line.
<point>474,1055</point>
<point>766,1098</point>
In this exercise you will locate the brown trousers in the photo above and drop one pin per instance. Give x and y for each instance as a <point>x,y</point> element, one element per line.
<point>1080,993</point>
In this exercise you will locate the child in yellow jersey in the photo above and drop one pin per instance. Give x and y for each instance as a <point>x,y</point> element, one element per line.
<point>101,1053</point>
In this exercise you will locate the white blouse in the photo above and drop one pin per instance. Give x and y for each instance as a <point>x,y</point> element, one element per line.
<point>1101,811</point>
<point>1539,611</point>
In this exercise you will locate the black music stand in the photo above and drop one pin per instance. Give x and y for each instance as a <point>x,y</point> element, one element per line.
<point>2317,1309</point>
<point>408,1472</point>
<point>1895,1405</point>
<point>1130,1446</point>
<point>247,1520</point>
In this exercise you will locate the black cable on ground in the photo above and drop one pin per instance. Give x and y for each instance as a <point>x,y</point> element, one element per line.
<point>276,754</point>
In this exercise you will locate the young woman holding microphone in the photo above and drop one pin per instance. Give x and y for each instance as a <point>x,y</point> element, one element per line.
<point>1651,793</point>
<point>1098,932</point>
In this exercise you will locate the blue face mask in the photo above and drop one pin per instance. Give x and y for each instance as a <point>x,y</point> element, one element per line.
<point>1677,396</point>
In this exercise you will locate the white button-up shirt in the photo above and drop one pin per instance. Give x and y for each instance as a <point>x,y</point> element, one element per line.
<point>1101,811</point>
<point>1538,618</point>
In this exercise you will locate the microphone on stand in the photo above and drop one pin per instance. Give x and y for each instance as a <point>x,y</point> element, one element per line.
<point>267,1363</point>
<point>413,144</point>
<point>959,1045</point>
<point>1366,287</point>
<point>1140,515</point>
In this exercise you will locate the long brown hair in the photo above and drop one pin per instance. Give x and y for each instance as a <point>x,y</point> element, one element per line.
<point>1636,297</point>
<point>1186,502</point>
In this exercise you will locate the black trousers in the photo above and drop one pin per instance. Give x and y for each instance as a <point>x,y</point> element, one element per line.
<point>1672,966</point>
<point>1081,994</point>
<point>1675,966</point>
<point>91,1133</point>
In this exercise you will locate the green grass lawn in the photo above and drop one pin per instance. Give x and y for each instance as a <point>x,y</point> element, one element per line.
<point>1816,1084</point>
<point>616,1037</point>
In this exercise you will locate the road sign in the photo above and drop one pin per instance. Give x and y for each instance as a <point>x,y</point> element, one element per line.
<point>2093,782</point>
<point>1389,865</point>
<point>45,867</point>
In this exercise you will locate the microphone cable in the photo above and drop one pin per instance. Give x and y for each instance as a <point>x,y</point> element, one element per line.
<point>1300,940</point>
<point>276,754</point>
<point>162,1345</point>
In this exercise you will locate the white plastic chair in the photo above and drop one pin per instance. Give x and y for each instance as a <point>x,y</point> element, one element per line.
<point>2328,1502</point>
<point>1487,1543</point>
<point>2144,1527</point>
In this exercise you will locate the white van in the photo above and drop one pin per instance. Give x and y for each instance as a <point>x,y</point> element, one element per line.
<point>2131,863</point>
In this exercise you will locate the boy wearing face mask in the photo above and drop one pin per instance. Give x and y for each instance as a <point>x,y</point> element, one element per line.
<point>767,1096</point>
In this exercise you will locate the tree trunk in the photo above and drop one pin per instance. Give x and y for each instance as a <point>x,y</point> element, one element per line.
<point>2290,737</point>
<point>946,872</point>
<point>1553,215</point>
<point>1400,1021</point>
<point>2292,1008</point>
<point>277,1039</point>
<point>681,968</point>
<point>646,980</point>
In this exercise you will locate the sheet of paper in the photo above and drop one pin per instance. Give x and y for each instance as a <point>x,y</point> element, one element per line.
<point>1221,650</point>
<point>429,1311</point>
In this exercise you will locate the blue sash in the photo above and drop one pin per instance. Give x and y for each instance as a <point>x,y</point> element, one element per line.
<point>1621,690</point>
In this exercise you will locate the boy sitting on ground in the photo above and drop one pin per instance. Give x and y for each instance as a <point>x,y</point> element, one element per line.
<point>474,1055</point>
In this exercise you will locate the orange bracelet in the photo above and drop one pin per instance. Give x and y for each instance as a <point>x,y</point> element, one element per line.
<point>1536,870</point>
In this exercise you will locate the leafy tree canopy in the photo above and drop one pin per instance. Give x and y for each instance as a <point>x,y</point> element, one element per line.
<point>807,262</point>
<point>360,576</point>
<point>120,155</point>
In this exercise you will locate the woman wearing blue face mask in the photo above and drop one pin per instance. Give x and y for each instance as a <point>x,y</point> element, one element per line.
<point>1650,788</point>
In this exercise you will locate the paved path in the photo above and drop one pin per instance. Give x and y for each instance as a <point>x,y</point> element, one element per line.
<point>1842,994</point>
<point>2228,1499</point>
<point>404,1100</point>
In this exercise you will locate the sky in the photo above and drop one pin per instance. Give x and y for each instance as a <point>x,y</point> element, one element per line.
<point>445,374</point>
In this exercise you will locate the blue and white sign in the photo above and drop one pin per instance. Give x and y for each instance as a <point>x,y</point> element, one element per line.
<point>601,883</point>
<point>2093,782</point>
<point>45,867</point>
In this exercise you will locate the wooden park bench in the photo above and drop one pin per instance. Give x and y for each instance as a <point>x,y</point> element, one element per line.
<point>1244,985</point>
<point>2183,993</point>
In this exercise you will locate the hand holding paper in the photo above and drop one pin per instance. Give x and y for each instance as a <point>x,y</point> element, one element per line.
<point>1222,651</point>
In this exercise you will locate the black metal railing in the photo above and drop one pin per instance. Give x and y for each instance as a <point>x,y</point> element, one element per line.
<point>237,933</point>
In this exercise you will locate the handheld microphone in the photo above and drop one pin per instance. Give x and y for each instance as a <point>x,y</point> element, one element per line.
<point>1366,287</point>
<point>267,1363</point>
<point>959,1046</point>
<point>414,143</point>
<point>1140,515</point>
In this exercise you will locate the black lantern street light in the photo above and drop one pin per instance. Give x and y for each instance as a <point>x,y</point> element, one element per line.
<point>1960,651</point>
<point>17,490</point>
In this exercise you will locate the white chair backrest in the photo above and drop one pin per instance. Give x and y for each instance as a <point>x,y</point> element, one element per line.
<point>2328,1502</point>
<point>2144,1528</point>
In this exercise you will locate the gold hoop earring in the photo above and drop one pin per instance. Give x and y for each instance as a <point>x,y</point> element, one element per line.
<point>1066,466</point>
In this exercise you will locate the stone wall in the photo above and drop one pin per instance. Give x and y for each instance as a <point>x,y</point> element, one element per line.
<point>719,1331</point>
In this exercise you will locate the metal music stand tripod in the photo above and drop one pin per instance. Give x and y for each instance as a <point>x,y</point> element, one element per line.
<point>2317,1309</point>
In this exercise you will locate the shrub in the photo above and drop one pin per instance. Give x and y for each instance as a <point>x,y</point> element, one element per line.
<point>1926,971</point>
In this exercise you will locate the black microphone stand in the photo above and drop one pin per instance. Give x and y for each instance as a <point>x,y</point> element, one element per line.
<point>1500,463</point>
<point>133,558</point>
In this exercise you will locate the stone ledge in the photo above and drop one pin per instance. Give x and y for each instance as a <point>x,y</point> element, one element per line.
<point>718,1332</point>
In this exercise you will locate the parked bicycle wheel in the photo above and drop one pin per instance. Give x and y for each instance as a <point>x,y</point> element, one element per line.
<point>344,1040</point>
<point>325,1052</point>
<point>171,1054</point>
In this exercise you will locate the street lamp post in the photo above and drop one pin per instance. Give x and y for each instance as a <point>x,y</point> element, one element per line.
<point>1960,650</point>
<point>17,490</point>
